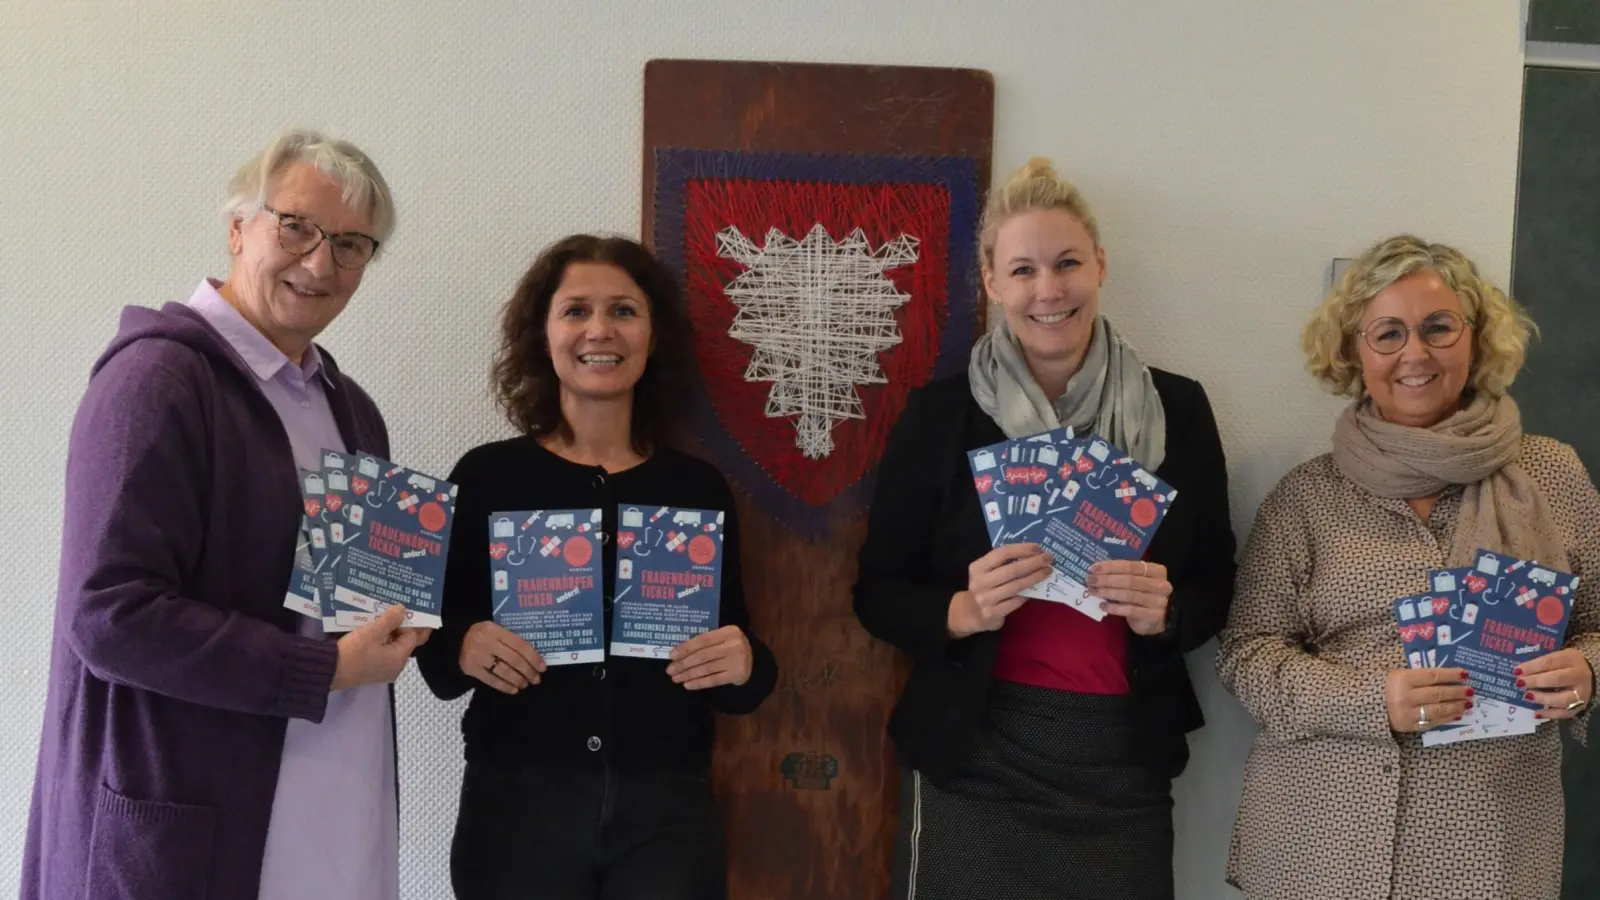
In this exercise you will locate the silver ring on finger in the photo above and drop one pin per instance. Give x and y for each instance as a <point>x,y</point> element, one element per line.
<point>1577,701</point>
<point>1144,572</point>
<point>1422,717</point>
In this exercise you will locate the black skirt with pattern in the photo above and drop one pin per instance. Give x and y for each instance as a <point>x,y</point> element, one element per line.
<point>1049,805</point>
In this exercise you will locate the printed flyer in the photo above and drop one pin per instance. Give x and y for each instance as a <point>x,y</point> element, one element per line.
<point>1082,500</point>
<point>669,578</point>
<point>398,554</point>
<point>546,581</point>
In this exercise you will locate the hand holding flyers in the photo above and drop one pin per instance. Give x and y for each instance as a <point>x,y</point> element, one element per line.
<point>995,581</point>
<point>500,659</point>
<point>1083,501</point>
<point>1442,693</point>
<point>1562,681</point>
<point>714,658</point>
<point>1134,589</point>
<point>376,652</point>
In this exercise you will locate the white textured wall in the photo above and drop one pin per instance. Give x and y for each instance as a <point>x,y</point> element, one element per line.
<point>1232,149</point>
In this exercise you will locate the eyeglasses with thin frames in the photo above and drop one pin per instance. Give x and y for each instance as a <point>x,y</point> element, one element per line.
<point>300,236</point>
<point>1440,329</point>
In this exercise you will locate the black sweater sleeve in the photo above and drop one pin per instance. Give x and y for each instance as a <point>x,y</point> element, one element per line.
<point>1200,601</point>
<point>739,699</point>
<point>893,598</point>
<point>465,600</point>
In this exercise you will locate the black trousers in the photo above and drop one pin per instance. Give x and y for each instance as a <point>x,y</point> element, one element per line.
<point>536,833</point>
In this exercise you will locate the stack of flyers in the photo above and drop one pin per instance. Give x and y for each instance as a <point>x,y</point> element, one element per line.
<point>1487,619</point>
<point>669,578</point>
<point>377,534</point>
<point>302,594</point>
<point>330,519</point>
<point>1082,499</point>
<point>545,581</point>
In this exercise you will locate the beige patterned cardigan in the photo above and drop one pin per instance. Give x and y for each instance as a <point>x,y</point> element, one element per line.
<point>1335,804</point>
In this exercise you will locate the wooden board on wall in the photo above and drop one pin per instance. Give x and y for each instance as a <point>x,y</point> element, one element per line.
<point>808,785</point>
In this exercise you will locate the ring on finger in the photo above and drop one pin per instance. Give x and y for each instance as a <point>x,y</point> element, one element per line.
<point>497,661</point>
<point>1577,701</point>
<point>1422,717</point>
<point>1144,572</point>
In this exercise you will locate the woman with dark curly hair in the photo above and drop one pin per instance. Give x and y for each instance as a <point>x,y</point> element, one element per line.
<point>588,781</point>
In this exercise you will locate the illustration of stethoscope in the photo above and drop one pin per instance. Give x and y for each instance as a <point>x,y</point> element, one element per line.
<point>377,491</point>
<point>1100,477</point>
<point>519,554</point>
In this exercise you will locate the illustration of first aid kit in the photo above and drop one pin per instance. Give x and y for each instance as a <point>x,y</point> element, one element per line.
<point>1444,581</point>
<point>504,527</point>
<point>314,485</point>
<point>632,517</point>
<point>983,460</point>
<point>338,480</point>
<point>368,466</point>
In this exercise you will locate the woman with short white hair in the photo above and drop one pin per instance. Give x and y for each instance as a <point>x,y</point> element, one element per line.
<point>200,739</point>
<point>1429,465</point>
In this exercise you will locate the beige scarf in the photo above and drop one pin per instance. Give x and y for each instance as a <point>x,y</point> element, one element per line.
<point>1502,509</point>
<point>1112,393</point>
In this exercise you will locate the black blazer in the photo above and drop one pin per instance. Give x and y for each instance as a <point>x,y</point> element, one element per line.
<point>925,528</point>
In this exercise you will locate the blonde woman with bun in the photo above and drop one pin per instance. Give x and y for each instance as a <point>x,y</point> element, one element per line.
<point>1429,463</point>
<point>1038,745</point>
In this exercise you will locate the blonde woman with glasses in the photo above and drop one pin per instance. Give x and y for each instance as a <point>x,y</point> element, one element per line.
<point>1429,464</point>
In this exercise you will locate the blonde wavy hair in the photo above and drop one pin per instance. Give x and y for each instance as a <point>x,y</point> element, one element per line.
<point>1035,186</point>
<point>1501,328</point>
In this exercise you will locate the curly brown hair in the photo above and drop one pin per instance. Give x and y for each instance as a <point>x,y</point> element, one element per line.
<point>525,380</point>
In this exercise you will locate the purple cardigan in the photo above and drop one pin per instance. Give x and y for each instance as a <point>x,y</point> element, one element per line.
<point>174,666</point>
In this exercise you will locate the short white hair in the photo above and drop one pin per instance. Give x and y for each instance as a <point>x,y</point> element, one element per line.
<point>361,184</point>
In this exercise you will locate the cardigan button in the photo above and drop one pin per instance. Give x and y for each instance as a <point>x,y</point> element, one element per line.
<point>593,744</point>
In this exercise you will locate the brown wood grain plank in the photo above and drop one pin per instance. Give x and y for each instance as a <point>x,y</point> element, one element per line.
<point>811,836</point>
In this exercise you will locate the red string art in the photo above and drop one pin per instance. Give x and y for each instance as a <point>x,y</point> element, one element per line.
<point>841,325</point>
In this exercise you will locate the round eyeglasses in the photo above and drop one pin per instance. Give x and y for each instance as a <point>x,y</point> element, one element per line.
<point>299,235</point>
<point>1440,330</point>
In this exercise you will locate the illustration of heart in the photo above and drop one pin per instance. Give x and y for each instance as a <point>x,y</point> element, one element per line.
<point>984,482</point>
<point>359,485</point>
<point>1085,465</point>
<point>498,550</point>
<point>333,502</point>
<point>1477,583</point>
<point>1549,610</point>
<point>625,539</point>
<point>1441,605</point>
<point>1408,633</point>
<point>312,507</point>
<point>1426,630</point>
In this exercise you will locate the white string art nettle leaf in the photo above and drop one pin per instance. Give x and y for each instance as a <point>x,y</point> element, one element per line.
<point>818,314</point>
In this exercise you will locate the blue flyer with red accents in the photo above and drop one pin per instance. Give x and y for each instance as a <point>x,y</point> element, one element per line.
<point>397,554</point>
<point>1487,619</point>
<point>1520,613</point>
<point>331,519</point>
<point>1082,499</point>
<point>545,581</point>
<point>669,578</point>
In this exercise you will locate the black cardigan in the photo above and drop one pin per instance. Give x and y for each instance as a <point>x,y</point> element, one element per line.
<point>925,528</point>
<point>624,710</point>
